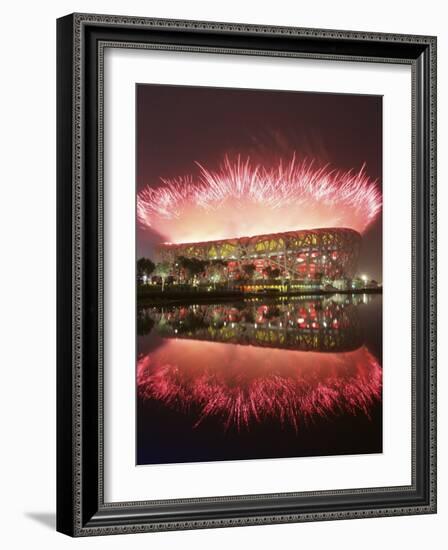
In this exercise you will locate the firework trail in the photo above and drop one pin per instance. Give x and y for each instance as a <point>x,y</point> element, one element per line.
<point>241,386</point>
<point>241,199</point>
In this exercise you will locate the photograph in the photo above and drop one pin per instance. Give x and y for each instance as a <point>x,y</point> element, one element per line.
<point>258,269</point>
<point>231,220</point>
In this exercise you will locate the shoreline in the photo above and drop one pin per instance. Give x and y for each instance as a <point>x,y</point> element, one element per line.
<point>145,299</point>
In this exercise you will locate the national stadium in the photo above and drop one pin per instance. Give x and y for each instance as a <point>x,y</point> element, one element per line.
<point>303,255</point>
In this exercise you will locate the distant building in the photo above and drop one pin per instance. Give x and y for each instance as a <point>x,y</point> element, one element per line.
<point>341,284</point>
<point>363,283</point>
<point>372,284</point>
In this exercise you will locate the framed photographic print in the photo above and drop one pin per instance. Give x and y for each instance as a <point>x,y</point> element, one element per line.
<point>246,274</point>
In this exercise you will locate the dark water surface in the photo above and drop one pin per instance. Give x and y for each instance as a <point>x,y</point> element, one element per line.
<point>261,378</point>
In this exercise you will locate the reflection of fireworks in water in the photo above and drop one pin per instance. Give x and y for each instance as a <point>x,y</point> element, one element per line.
<point>244,200</point>
<point>255,385</point>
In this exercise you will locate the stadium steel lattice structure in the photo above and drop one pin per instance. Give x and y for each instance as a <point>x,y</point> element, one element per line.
<point>298,255</point>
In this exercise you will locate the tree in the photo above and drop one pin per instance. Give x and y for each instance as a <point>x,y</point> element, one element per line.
<point>196,267</point>
<point>162,270</point>
<point>214,274</point>
<point>271,272</point>
<point>272,312</point>
<point>145,267</point>
<point>249,270</point>
<point>181,264</point>
<point>192,266</point>
<point>216,271</point>
<point>144,323</point>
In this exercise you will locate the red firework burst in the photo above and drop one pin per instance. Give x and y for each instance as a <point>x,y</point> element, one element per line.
<point>242,385</point>
<point>242,199</point>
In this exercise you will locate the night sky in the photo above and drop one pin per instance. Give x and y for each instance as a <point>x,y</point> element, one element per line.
<point>178,125</point>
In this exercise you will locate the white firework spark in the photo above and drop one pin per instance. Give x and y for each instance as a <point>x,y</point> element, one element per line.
<point>242,199</point>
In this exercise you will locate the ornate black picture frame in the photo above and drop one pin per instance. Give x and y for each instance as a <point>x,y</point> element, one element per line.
<point>81,509</point>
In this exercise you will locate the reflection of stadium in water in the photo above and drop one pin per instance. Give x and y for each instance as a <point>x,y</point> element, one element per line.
<point>320,324</point>
<point>289,361</point>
